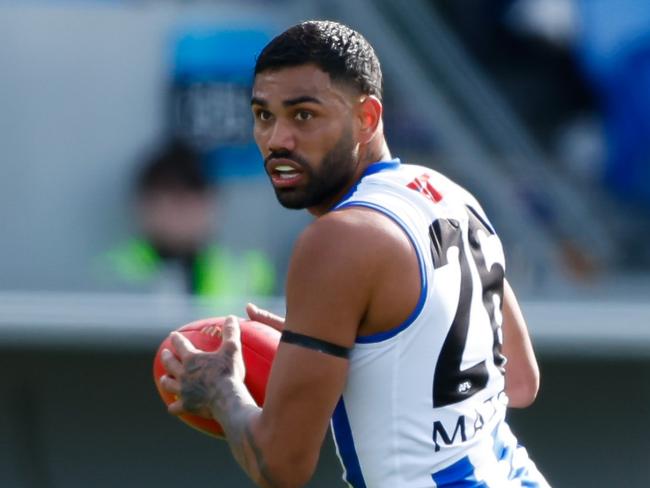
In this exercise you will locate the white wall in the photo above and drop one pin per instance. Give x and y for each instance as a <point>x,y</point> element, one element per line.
<point>82,98</point>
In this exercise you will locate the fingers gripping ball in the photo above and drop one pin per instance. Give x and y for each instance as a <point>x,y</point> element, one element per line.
<point>259,344</point>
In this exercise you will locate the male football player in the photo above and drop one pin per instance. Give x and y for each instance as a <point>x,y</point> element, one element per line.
<point>401,329</point>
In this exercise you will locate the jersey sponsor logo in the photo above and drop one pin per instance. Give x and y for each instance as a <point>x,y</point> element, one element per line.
<point>439,432</point>
<point>467,426</point>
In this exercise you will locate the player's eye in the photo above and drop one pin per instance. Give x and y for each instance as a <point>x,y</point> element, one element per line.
<point>304,115</point>
<point>263,115</point>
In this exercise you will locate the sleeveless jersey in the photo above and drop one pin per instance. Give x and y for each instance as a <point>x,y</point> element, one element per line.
<point>424,405</point>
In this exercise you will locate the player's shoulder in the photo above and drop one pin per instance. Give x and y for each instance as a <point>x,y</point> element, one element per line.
<point>447,187</point>
<point>417,174</point>
<point>354,234</point>
<point>347,226</point>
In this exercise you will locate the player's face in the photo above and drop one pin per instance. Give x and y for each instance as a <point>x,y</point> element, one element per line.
<point>304,127</point>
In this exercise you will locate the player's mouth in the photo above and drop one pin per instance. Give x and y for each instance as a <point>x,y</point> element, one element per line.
<point>284,173</point>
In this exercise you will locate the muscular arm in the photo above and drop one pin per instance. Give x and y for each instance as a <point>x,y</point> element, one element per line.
<point>342,281</point>
<point>333,270</point>
<point>522,372</point>
<point>210,384</point>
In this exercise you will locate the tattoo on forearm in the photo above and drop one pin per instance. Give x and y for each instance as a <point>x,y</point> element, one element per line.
<point>234,411</point>
<point>209,388</point>
<point>259,459</point>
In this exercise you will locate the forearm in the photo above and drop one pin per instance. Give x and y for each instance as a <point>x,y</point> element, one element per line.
<point>237,413</point>
<point>264,442</point>
<point>522,372</point>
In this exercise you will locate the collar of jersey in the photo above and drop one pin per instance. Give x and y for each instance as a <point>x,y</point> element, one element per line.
<point>380,166</point>
<point>377,167</point>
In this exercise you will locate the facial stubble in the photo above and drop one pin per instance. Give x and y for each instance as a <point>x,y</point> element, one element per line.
<point>334,173</point>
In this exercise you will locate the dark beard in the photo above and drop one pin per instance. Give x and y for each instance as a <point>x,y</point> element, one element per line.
<point>335,172</point>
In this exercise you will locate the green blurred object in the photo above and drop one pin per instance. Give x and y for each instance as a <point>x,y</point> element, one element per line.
<point>213,272</point>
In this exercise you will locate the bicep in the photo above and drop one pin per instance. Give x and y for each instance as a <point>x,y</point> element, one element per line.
<point>522,372</point>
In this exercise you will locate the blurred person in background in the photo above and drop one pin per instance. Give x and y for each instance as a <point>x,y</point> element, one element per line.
<point>175,250</point>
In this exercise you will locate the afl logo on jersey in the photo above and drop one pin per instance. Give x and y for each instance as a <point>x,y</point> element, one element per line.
<point>464,387</point>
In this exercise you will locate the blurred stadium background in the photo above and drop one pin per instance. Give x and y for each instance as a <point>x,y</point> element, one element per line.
<point>540,107</point>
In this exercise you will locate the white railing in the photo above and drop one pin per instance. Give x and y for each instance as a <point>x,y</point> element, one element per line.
<point>121,322</point>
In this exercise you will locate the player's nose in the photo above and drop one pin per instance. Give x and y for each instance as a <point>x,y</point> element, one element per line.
<point>281,137</point>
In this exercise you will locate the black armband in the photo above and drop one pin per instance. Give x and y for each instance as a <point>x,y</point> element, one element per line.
<point>315,344</point>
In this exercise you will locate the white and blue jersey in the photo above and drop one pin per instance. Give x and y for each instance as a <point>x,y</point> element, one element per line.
<point>424,404</point>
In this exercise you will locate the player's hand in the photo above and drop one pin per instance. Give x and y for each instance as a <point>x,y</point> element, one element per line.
<point>200,378</point>
<point>265,317</point>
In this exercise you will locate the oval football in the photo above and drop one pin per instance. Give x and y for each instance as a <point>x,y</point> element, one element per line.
<point>259,345</point>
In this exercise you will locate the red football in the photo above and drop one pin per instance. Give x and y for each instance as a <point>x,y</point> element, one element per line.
<point>259,344</point>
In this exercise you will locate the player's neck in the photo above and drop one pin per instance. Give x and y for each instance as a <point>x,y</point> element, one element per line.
<point>374,155</point>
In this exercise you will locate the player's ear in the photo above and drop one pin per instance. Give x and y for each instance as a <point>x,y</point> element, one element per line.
<point>369,112</point>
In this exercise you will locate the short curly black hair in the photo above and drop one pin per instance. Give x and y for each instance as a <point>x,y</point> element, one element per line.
<point>335,48</point>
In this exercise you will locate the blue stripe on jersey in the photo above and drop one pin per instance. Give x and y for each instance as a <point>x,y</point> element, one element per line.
<point>528,483</point>
<point>458,475</point>
<point>382,336</point>
<point>505,454</point>
<point>501,451</point>
<point>370,170</point>
<point>345,444</point>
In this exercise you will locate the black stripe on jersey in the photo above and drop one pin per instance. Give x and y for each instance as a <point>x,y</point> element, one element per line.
<point>315,344</point>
